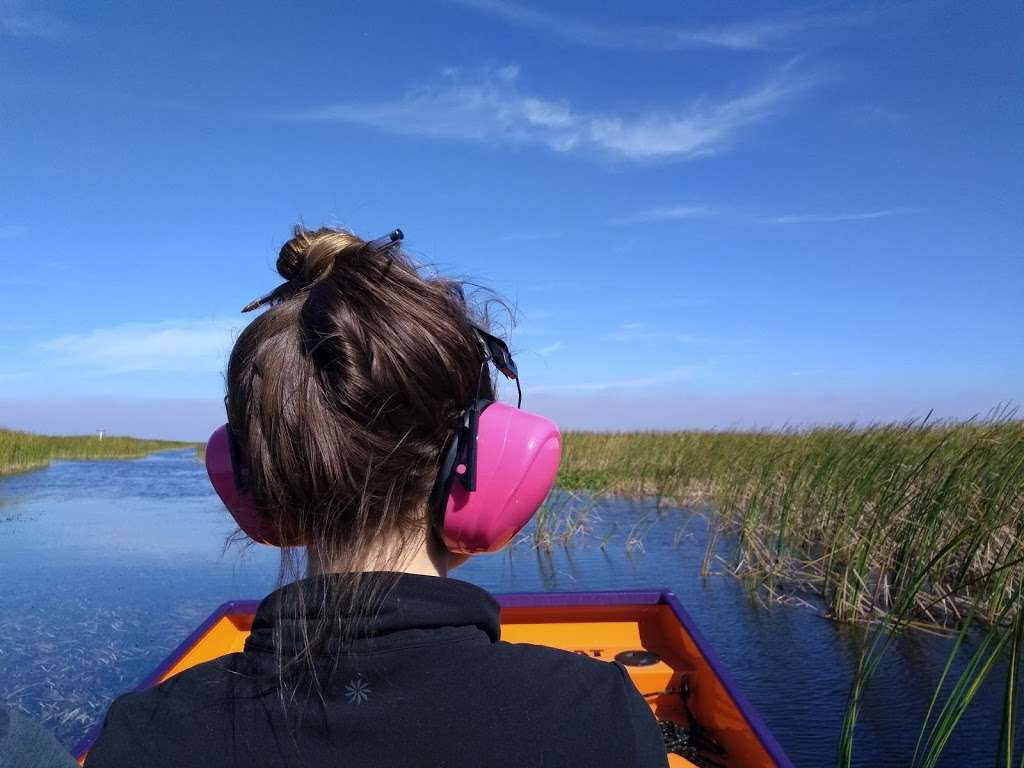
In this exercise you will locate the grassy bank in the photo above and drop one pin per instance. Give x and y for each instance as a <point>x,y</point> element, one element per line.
<point>855,515</point>
<point>24,451</point>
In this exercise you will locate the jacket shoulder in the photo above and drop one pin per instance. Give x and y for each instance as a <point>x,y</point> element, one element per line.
<point>597,697</point>
<point>147,727</point>
<point>566,666</point>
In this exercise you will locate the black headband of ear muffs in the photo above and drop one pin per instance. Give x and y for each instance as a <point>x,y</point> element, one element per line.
<point>461,447</point>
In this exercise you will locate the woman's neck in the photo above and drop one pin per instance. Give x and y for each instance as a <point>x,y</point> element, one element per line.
<point>423,554</point>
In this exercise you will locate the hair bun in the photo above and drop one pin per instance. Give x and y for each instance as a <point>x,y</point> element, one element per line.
<point>306,258</point>
<point>309,255</point>
<point>291,260</point>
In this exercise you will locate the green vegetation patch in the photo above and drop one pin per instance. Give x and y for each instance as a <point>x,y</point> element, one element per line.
<point>25,451</point>
<point>853,514</point>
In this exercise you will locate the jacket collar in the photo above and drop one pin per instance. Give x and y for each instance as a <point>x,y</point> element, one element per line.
<point>403,603</point>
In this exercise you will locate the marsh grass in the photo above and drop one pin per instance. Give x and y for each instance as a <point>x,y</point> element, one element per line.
<point>564,517</point>
<point>853,514</point>
<point>25,451</point>
<point>998,644</point>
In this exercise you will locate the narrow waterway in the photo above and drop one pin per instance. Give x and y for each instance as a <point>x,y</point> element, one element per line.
<point>106,566</point>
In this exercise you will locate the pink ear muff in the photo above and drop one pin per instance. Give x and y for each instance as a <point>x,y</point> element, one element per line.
<point>221,468</point>
<point>517,458</point>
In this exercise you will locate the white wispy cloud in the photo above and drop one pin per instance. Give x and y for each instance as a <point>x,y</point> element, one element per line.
<point>826,218</point>
<point>680,212</point>
<point>170,346</point>
<point>665,213</point>
<point>752,35</point>
<point>670,376</point>
<point>492,107</point>
<point>550,349</point>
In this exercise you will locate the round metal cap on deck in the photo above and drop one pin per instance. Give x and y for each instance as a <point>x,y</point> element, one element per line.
<point>637,658</point>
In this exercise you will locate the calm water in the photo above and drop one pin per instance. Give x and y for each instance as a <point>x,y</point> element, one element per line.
<point>106,566</point>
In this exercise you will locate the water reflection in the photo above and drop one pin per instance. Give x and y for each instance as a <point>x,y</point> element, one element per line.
<point>106,566</point>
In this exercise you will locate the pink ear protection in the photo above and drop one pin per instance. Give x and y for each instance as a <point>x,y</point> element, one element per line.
<point>229,478</point>
<point>494,474</point>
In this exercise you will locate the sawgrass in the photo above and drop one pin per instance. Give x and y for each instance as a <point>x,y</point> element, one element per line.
<point>999,643</point>
<point>25,451</point>
<point>853,514</point>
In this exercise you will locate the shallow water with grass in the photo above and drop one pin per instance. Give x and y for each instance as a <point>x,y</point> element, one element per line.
<point>106,566</point>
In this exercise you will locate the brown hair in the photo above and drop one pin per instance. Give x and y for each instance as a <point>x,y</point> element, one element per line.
<point>342,395</point>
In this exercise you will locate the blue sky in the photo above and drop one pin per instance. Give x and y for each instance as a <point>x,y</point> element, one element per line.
<point>707,215</point>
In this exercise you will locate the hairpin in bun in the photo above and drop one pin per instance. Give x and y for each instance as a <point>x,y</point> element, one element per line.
<point>289,288</point>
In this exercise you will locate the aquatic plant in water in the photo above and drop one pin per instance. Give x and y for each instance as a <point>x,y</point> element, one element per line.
<point>850,513</point>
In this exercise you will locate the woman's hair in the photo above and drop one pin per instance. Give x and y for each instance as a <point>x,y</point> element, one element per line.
<point>342,395</point>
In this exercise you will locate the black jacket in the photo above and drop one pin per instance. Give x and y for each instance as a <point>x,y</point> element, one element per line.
<point>427,682</point>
